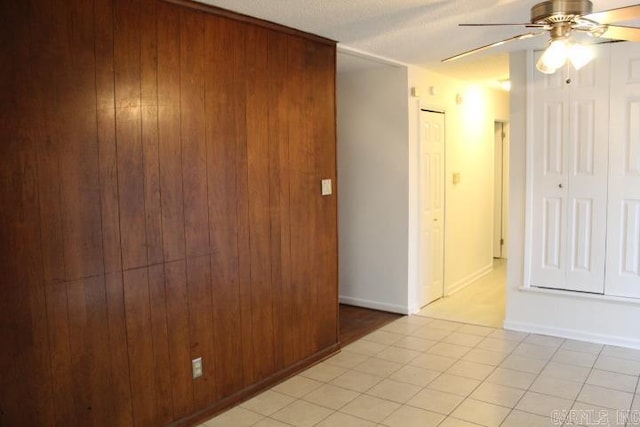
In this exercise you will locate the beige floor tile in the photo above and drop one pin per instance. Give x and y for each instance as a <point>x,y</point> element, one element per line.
<point>408,416</point>
<point>368,348</point>
<point>546,340</point>
<point>297,386</point>
<point>270,422</point>
<point>509,335</point>
<point>331,396</point>
<point>486,357</point>
<point>542,404</point>
<point>556,387</point>
<point>467,340</point>
<point>454,384</point>
<point>613,380</point>
<point>394,391</point>
<point>615,364</point>
<point>455,422</point>
<point>467,369</point>
<point>399,328</point>
<point>525,419</point>
<point>498,345</point>
<point>383,337</point>
<point>433,362</point>
<point>370,408</point>
<point>582,346</point>
<point>414,320</point>
<point>398,354</point>
<point>448,350</point>
<point>268,402</point>
<point>534,351</point>
<point>346,359</point>
<point>237,416</point>
<point>605,397</point>
<point>339,419</point>
<point>566,372</point>
<point>498,394</point>
<point>482,331</point>
<point>302,414</point>
<point>621,352</point>
<point>575,358</point>
<point>323,372</point>
<point>415,343</point>
<point>429,333</point>
<point>435,401</point>
<point>414,375</point>
<point>446,325</point>
<point>524,364</point>
<point>482,413</point>
<point>356,381</point>
<point>379,367</point>
<point>512,378</point>
<point>583,414</point>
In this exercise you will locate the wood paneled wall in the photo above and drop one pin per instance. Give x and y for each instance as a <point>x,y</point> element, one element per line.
<point>160,170</point>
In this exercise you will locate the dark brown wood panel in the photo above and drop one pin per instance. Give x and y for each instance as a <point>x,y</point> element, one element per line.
<point>170,144</point>
<point>131,173</point>
<point>279,196</point>
<point>225,100</point>
<point>149,117</point>
<point>159,201</point>
<point>258,144</point>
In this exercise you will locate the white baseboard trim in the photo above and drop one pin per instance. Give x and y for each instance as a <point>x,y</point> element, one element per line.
<point>466,281</point>
<point>376,305</point>
<point>573,334</point>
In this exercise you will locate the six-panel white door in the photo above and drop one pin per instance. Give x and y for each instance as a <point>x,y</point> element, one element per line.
<point>431,246</point>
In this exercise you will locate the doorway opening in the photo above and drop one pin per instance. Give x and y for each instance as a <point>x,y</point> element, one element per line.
<point>483,300</point>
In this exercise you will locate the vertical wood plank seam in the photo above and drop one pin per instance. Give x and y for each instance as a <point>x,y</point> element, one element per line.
<point>165,262</point>
<point>210,252</point>
<point>184,217</point>
<point>144,207</point>
<point>239,195</point>
<point>117,176</point>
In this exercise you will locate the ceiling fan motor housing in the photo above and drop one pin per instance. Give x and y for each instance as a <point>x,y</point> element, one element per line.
<point>559,11</point>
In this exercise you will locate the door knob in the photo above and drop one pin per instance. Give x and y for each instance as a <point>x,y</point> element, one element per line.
<point>559,185</point>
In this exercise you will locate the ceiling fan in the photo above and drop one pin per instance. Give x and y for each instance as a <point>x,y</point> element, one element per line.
<point>560,18</point>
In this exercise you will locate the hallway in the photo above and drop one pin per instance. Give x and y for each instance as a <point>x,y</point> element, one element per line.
<point>481,303</point>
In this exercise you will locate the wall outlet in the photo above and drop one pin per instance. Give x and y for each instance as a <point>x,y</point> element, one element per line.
<point>196,367</point>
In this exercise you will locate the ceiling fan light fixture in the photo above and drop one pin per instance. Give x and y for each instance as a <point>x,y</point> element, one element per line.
<point>554,57</point>
<point>580,55</point>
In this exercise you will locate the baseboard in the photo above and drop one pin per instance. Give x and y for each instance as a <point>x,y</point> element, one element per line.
<point>376,305</point>
<point>466,281</point>
<point>572,334</point>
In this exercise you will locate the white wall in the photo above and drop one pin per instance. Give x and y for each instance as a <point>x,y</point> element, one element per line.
<point>373,186</point>
<point>595,318</point>
<point>469,132</point>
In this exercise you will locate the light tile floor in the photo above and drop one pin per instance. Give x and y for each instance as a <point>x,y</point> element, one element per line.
<point>483,302</point>
<point>420,371</point>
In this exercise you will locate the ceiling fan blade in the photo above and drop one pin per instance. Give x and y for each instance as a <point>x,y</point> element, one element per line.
<point>617,32</point>
<point>489,46</point>
<point>621,14</point>
<point>528,24</point>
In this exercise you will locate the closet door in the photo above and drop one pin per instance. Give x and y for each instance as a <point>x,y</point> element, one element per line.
<point>571,111</point>
<point>623,236</point>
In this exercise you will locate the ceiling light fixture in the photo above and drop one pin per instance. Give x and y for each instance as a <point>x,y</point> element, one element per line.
<point>561,49</point>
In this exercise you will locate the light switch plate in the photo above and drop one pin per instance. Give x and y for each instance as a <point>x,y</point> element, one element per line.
<point>456,178</point>
<point>196,367</point>
<point>326,187</point>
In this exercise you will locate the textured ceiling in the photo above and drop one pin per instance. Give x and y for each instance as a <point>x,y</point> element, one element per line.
<point>420,32</point>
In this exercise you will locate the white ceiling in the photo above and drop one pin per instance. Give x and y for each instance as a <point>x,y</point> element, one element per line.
<point>420,32</point>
